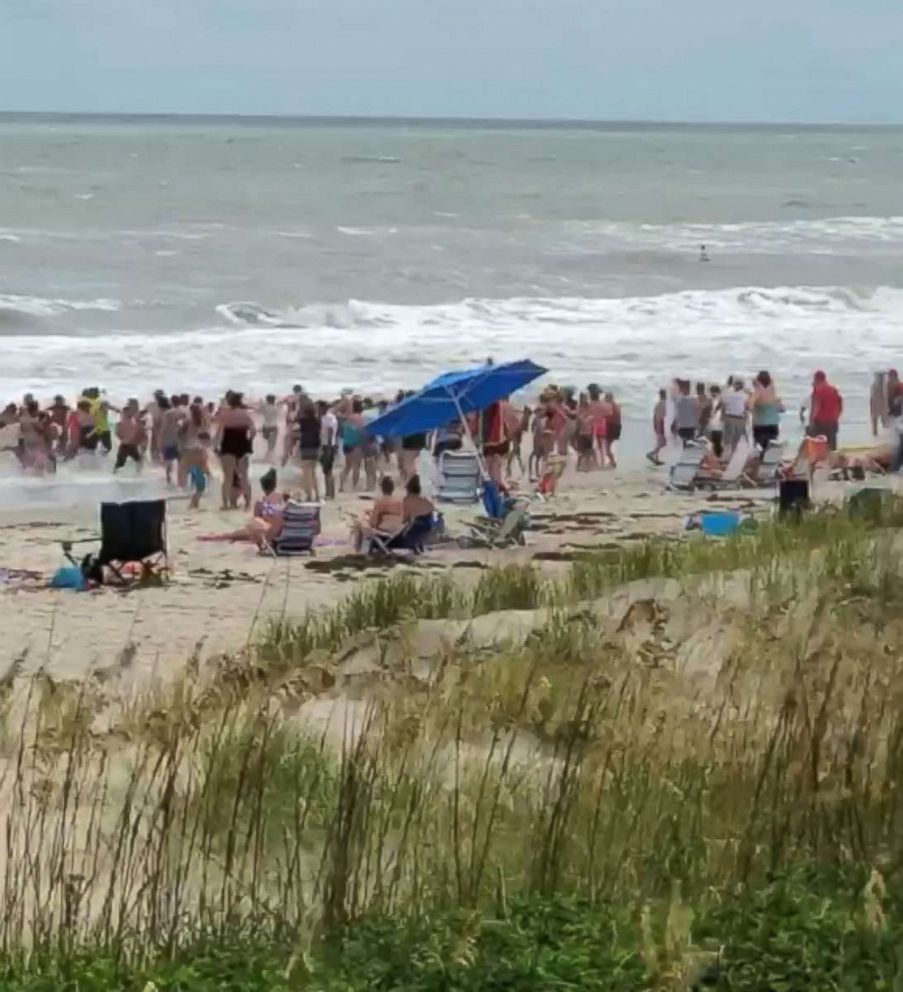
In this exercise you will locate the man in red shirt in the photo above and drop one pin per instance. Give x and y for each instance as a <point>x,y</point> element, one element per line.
<point>825,408</point>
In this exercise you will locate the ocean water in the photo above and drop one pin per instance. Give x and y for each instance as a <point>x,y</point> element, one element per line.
<point>202,254</point>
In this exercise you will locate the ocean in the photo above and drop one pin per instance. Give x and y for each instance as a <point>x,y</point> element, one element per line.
<point>199,254</point>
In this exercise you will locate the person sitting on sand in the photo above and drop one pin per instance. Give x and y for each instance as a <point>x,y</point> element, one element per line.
<point>383,517</point>
<point>266,522</point>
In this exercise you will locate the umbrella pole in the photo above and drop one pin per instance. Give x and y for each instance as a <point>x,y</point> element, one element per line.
<point>470,437</point>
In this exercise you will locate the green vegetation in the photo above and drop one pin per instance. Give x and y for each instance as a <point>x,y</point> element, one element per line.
<point>572,812</point>
<point>384,603</point>
<point>803,930</point>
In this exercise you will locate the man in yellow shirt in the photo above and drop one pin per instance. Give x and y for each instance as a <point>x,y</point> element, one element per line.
<point>100,411</point>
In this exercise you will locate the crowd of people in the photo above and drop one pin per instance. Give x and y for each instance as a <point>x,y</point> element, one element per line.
<point>330,441</point>
<point>750,414</point>
<point>332,445</point>
<point>725,417</point>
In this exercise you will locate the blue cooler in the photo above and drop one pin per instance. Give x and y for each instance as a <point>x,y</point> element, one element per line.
<point>719,524</point>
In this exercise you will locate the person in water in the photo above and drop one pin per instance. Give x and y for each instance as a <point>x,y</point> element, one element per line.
<point>171,415</point>
<point>100,411</point>
<point>132,437</point>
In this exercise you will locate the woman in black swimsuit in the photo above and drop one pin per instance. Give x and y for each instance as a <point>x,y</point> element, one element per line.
<point>236,432</point>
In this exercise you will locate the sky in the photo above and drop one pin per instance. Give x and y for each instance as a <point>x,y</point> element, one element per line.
<point>675,60</point>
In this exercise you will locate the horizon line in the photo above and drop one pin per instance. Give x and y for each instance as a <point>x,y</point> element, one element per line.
<point>419,120</point>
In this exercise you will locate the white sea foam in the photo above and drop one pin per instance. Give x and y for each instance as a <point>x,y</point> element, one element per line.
<point>823,236</point>
<point>633,345</point>
<point>38,306</point>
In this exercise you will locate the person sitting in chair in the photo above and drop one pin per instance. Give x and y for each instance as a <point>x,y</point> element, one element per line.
<point>266,523</point>
<point>383,517</point>
<point>415,504</point>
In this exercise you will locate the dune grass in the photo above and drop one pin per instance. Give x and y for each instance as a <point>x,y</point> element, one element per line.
<point>569,813</point>
<point>384,603</point>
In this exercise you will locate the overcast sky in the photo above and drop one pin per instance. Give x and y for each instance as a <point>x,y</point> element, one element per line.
<point>763,60</point>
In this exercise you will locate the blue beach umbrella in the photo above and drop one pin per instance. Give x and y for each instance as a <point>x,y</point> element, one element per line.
<point>453,395</point>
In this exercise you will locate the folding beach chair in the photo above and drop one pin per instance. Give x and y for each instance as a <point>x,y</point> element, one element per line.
<point>300,527</point>
<point>813,451</point>
<point>685,471</point>
<point>460,477</point>
<point>511,529</point>
<point>130,533</point>
<point>734,475</point>
<point>413,536</point>
<point>768,472</point>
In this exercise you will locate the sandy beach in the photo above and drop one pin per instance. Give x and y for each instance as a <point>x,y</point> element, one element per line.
<point>221,595</point>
